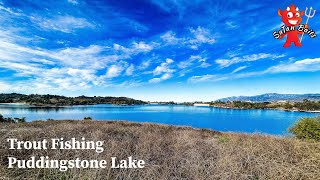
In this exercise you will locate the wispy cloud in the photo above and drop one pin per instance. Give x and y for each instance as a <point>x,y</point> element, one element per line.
<point>67,68</point>
<point>191,64</point>
<point>74,2</point>
<point>188,62</point>
<point>130,70</point>
<point>306,65</point>
<point>201,35</point>
<point>135,48</point>
<point>9,10</point>
<point>144,64</point>
<point>239,69</point>
<point>247,58</point>
<point>231,24</point>
<point>207,78</point>
<point>66,24</point>
<point>193,39</point>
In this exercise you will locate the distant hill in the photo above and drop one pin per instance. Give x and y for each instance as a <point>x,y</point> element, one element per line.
<point>271,97</point>
<point>55,100</point>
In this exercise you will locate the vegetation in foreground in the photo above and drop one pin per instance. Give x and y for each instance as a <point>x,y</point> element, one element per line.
<point>170,152</point>
<point>11,120</point>
<point>307,128</point>
<point>55,100</point>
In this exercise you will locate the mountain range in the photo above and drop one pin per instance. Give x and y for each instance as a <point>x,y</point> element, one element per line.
<point>271,97</point>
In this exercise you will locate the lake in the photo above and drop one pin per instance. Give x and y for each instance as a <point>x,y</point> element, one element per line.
<point>274,122</point>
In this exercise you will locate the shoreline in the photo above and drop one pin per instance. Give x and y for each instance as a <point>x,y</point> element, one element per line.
<point>279,109</point>
<point>13,103</point>
<point>64,106</point>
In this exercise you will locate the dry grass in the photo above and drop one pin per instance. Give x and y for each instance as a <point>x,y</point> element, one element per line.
<point>170,152</point>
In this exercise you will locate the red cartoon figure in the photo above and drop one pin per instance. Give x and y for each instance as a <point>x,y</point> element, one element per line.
<point>291,17</point>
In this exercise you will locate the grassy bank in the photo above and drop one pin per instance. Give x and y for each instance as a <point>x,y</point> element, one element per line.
<point>170,152</point>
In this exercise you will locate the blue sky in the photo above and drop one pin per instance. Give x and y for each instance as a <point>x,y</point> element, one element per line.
<point>153,50</point>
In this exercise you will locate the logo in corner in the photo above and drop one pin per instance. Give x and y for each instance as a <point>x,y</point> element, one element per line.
<point>292,17</point>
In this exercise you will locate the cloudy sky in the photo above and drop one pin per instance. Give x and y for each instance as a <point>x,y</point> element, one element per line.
<point>153,50</point>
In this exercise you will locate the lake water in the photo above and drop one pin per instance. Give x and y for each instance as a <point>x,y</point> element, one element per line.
<point>263,121</point>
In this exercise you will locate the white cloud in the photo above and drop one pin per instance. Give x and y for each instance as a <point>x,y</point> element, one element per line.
<point>248,58</point>
<point>231,25</point>
<point>27,69</point>
<point>55,79</point>
<point>114,71</point>
<point>164,67</point>
<point>81,57</point>
<point>193,39</point>
<point>204,64</point>
<point>66,24</point>
<point>191,61</point>
<point>306,65</point>
<point>74,2</point>
<point>144,65</point>
<point>170,38</point>
<point>166,76</point>
<point>239,69</point>
<point>191,64</point>
<point>130,70</point>
<point>207,77</point>
<point>84,74</point>
<point>4,87</point>
<point>136,48</point>
<point>72,68</point>
<point>9,10</point>
<point>142,46</point>
<point>86,57</point>
<point>202,35</point>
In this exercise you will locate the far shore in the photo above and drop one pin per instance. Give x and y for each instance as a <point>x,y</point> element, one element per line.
<point>281,109</point>
<point>55,106</point>
<point>15,103</point>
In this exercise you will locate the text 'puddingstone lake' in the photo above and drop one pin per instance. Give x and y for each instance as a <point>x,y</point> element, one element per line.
<point>274,122</point>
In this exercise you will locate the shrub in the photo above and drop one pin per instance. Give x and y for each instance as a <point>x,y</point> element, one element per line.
<point>87,118</point>
<point>11,120</point>
<point>307,128</point>
<point>20,120</point>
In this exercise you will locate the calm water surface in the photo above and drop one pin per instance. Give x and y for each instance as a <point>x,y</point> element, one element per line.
<point>264,121</point>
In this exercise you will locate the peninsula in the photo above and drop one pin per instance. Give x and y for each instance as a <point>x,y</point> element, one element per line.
<point>56,100</point>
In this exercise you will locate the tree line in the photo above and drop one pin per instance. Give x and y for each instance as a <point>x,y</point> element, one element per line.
<point>305,105</point>
<point>56,100</point>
